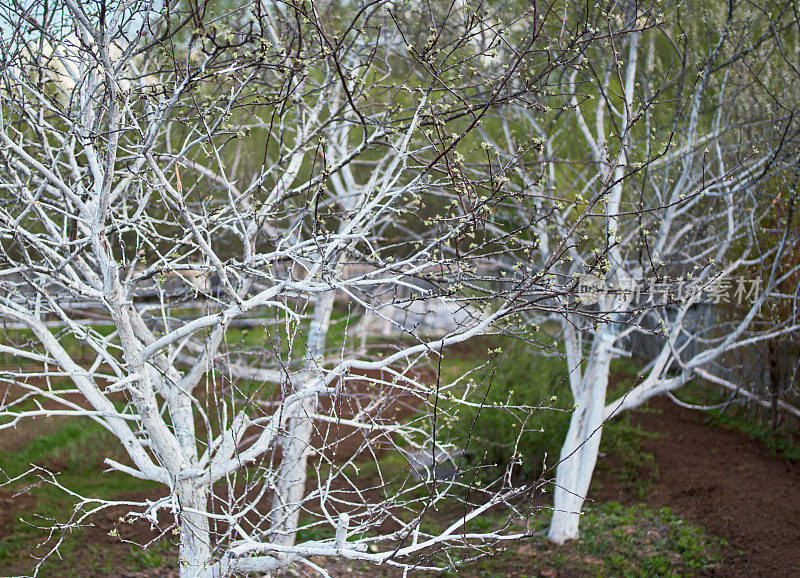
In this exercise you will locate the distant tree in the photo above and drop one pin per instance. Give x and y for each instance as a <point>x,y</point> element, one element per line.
<point>664,178</point>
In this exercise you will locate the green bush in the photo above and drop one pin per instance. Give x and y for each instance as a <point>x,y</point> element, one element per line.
<point>490,434</point>
<point>539,386</point>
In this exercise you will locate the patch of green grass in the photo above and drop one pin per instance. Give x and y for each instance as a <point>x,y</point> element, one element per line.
<point>75,452</point>
<point>314,533</point>
<point>492,432</point>
<point>638,467</point>
<point>275,338</point>
<point>77,446</point>
<point>74,345</point>
<point>619,541</point>
<point>154,556</point>
<point>637,541</point>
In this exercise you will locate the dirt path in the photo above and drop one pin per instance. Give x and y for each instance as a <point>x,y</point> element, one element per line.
<point>730,485</point>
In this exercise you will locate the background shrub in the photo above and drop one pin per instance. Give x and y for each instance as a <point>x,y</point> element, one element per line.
<point>490,434</point>
<point>539,386</point>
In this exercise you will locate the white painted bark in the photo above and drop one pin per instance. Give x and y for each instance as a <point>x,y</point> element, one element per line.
<point>291,483</point>
<point>195,545</point>
<point>296,441</point>
<point>579,452</point>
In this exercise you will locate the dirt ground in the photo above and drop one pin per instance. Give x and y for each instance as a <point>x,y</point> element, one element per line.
<point>728,484</point>
<point>717,479</point>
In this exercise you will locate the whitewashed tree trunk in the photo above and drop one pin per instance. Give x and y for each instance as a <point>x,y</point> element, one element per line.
<point>195,546</point>
<point>579,452</point>
<point>296,442</point>
<point>291,483</point>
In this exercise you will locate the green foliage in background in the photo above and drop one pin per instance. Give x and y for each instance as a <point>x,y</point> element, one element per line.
<point>539,388</point>
<point>532,432</point>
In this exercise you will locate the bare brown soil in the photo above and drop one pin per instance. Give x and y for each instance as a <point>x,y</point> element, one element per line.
<point>716,479</point>
<point>10,504</point>
<point>727,483</point>
<point>116,537</point>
